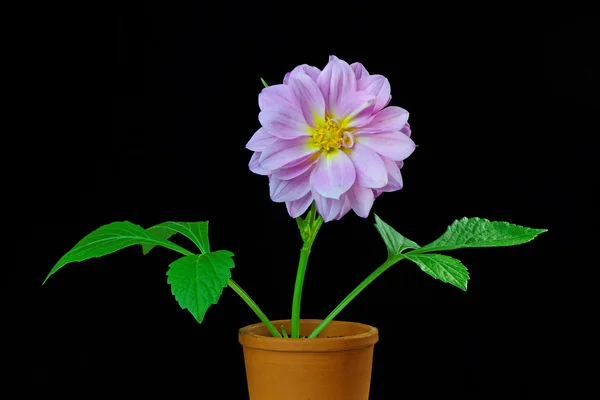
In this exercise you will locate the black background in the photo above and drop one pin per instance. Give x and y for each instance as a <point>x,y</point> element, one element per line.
<point>502,110</point>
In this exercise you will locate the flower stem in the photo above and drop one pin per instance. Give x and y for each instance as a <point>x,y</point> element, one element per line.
<point>236,288</point>
<point>353,294</point>
<point>304,253</point>
<point>311,228</point>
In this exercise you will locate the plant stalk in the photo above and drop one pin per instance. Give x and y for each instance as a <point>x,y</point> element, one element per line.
<point>248,300</point>
<point>304,253</point>
<point>314,225</point>
<point>353,294</point>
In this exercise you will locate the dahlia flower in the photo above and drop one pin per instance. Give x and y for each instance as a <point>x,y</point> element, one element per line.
<point>329,137</point>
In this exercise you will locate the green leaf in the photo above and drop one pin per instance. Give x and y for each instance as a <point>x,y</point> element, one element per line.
<point>444,268</point>
<point>109,238</point>
<point>309,225</point>
<point>197,281</point>
<point>263,82</point>
<point>197,232</point>
<point>479,232</point>
<point>395,242</point>
<point>157,232</point>
<point>304,227</point>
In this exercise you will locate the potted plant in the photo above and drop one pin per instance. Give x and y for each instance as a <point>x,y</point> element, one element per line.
<point>328,143</point>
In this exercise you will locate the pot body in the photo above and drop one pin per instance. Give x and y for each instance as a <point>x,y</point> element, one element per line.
<point>334,366</point>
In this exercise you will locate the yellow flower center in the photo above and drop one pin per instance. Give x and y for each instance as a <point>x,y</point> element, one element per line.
<point>330,135</point>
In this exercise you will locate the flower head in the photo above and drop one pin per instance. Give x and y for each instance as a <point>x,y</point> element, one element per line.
<point>328,136</point>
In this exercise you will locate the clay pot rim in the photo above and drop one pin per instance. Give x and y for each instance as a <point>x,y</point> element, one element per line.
<point>250,339</point>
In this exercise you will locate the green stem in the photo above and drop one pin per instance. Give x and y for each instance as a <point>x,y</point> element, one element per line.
<point>236,288</point>
<point>302,263</point>
<point>247,299</point>
<point>353,294</point>
<point>304,253</point>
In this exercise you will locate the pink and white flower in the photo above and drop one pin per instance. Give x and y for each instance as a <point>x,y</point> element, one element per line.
<point>329,137</point>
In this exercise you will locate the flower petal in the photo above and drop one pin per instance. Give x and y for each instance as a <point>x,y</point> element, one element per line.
<point>335,81</point>
<point>359,70</point>
<point>309,70</point>
<point>333,175</point>
<point>345,207</point>
<point>254,167</point>
<point>328,208</point>
<point>293,171</point>
<point>274,96</point>
<point>370,168</point>
<point>260,140</point>
<point>308,97</point>
<point>355,109</point>
<point>294,189</point>
<point>297,207</point>
<point>286,153</point>
<point>378,86</point>
<point>389,119</point>
<point>394,176</point>
<point>394,145</point>
<point>284,122</point>
<point>361,200</point>
<point>406,129</point>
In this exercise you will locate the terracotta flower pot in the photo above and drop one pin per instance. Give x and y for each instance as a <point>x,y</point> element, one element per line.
<point>334,366</point>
